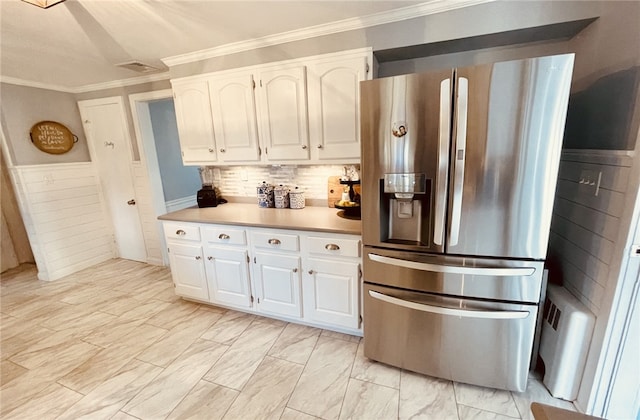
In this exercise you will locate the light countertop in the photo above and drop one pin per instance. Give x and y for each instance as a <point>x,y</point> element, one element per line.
<point>319,219</point>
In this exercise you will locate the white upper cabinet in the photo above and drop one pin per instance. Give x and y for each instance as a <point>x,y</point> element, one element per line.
<point>195,125</point>
<point>299,111</point>
<point>282,98</point>
<point>334,108</point>
<point>234,118</point>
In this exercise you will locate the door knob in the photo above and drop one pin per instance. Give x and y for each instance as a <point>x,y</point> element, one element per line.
<point>131,202</point>
<point>311,272</point>
<point>222,150</point>
<point>304,146</point>
<point>319,146</point>
<point>295,270</point>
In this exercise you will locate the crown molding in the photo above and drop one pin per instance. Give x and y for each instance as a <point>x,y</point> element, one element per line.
<point>29,83</point>
<point>123,82</point>
<point>87,88</point>
<point>423,9</point>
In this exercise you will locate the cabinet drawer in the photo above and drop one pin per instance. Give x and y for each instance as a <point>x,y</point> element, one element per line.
<point>275,241</point>
<point>334,246</point>
<point>225,235</point>
<point>182,231</point>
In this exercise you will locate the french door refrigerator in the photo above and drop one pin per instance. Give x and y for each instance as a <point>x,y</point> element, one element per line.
<point>459,171</point>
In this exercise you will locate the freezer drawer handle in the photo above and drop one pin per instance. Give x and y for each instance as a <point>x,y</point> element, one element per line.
<point>479,271</point>
<point>463,313</point>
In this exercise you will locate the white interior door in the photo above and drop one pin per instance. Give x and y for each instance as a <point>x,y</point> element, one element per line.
<point>110,146</point>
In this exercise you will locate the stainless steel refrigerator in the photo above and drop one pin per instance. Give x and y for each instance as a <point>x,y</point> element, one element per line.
<point>459,171</point>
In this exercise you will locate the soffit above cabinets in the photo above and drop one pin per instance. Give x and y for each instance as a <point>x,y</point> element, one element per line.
<point>553,32</point>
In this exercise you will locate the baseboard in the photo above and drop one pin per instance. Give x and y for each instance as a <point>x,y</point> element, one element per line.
<point>181,203</point>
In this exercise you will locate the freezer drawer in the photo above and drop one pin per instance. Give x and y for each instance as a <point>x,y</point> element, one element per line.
<point>464,340</point>
<point>472,277</point>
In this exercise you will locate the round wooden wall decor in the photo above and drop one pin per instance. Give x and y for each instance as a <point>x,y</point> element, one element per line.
<point>52,137</point>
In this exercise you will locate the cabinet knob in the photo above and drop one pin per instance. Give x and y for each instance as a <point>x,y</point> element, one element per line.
<point>319,146</point>
<point>274,241</point>
<point>223,236</point>
<point>295,270</point>
<point>222,150</point>
<point>210,258</point>
<point>210,150</point>
<point>198,257</point>
<point>180,232</point>
<point>331,247</point>
<point>304,146</point>
<point>310,271</point>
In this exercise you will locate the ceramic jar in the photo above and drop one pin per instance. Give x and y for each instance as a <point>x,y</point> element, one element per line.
<point>265,195</point>
<point>281,196</point>
<point>296,198</point>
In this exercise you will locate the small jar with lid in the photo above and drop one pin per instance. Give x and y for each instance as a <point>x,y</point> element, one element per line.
<point>296,198</point>
<point>265,195</point>
<point>281,196</point>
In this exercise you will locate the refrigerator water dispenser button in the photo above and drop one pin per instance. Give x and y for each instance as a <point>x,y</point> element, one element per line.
<point>405,209</point>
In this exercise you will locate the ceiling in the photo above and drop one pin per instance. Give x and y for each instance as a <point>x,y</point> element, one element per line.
<point>79,42</point>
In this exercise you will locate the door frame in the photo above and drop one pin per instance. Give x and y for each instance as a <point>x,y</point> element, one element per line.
<point>93,153</point>
<point>145,139</point>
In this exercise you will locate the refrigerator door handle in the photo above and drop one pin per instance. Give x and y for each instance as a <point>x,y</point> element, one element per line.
<point>451,269</point>
<point>459,158</point>
<point>443,310</point>
<point>444,133</point>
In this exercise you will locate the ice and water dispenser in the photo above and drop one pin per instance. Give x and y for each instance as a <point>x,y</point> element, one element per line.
<point>404,208</point>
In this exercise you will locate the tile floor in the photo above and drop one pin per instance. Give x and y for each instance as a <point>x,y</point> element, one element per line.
<point>114,342</point>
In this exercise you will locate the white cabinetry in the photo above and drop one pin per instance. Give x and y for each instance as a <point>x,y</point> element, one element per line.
<point>311,278</point>
<point>227,265</point>
<point>332,280</point>
<point>299,111</point>
<point>234,117</point>
<point>195,124</point>
<point>185,257</point>
<point>277,269</point>
<point>334,107</point>
<point>283,113</point>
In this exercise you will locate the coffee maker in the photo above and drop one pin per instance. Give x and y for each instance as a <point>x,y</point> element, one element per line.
<point>207,195</point>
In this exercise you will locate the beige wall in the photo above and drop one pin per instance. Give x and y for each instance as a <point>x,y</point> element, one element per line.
<point>22,107</point>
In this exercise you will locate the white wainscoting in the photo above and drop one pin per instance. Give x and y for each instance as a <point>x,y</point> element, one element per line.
<point>65,217</point>
<point>151,226</point>
<point>586,220</point>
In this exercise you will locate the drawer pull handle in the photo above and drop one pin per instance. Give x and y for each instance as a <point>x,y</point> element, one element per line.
<point>274,241</point>
<point>295,270</point>
<point>331,247</point>
<point>198,257</point>
<point>223,236</point>
<point>180,232</point>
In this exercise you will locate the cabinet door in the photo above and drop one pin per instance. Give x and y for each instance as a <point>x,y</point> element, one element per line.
<point>228,276</point>
<point>330,292</point>
<point>283,113</point>
<point>195,124</point>
<point>187,269</point>
<point>234,118</point>
<point>334,108</point>
<point>277,280</point>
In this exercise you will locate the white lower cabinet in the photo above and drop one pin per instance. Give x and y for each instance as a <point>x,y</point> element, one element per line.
<point>293,275</point>
<point>187,270</point>
<point>331,292</point>
<point>277,280</point>
<point>228,276</point>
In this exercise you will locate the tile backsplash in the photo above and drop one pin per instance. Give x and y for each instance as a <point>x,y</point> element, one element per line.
<point>241,181</point>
